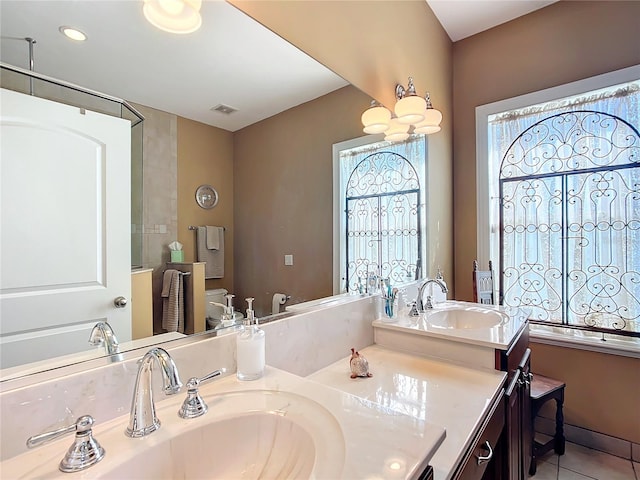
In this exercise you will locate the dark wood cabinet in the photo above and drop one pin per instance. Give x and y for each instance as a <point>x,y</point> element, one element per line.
<point>502,447</point>
<point>517,440</point>
<point>518,435</point>
<point>483,459</point>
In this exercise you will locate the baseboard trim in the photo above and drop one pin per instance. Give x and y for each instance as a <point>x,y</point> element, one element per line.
<point>590,439</point>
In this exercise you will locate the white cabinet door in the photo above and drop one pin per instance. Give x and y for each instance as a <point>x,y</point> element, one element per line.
<point>65,227</point>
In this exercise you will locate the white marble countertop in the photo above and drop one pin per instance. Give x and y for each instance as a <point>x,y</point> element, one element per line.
<point>454,396</point>
<point>500,336</point>
<point>378,441</point>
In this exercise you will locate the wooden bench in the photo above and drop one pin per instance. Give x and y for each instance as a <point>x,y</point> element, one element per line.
<point>544,389</point>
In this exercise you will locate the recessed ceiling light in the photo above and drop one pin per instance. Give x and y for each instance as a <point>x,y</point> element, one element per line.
<point>73,33</point>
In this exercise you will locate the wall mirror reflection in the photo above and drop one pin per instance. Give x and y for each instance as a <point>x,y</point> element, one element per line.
<point>269,160</point>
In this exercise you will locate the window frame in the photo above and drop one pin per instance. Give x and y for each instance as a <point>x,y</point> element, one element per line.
<point>484,111</point>
<point>549,335</point>
<point>339,239</point>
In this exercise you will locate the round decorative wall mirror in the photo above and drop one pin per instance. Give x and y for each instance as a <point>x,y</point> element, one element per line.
<point>206,196</point>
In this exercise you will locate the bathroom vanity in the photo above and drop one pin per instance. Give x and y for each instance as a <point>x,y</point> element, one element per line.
<point>480,336</point>
<point>419,416</point>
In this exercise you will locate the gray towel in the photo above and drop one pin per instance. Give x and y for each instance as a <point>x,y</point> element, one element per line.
<point>214,234</point>
<point>214,259</point>
<point>172,301</point>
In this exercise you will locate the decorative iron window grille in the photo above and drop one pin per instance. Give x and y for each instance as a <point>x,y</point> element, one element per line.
<point>382,213</point>
<point>570,223</point>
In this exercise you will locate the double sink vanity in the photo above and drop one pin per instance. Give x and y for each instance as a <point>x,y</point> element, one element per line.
<point>435,406</point>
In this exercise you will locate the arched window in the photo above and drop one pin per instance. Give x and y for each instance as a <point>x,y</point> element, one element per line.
<point>569,191</point>
<point>382,218</point>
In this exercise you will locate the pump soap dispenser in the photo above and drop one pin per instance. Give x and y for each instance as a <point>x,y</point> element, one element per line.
<point>250,347</point>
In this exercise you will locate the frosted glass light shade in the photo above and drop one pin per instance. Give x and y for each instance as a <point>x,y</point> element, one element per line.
<point>397,131</point>
<point>427,129</point>
<point>173,16</point>
<point>433,116</point>
<point>410,109</point>
<point>375,119</point>
<point>431,122</point>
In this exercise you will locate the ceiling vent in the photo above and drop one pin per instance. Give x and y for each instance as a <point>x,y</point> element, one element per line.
<point>226,109</point>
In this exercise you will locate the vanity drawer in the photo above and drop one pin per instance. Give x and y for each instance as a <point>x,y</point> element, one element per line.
<point>490,432</point>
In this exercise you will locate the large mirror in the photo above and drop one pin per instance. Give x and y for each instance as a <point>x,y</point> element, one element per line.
<point>270,161</point>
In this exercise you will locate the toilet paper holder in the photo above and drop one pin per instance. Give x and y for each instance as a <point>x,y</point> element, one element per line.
<point>278,299</point>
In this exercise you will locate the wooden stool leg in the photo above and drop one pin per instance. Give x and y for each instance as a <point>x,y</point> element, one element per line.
<point>534,413</point>
<point>533,466</point>
<point>559,436</point>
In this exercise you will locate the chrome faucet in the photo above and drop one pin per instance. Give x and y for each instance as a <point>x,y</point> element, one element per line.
<point>143,419</point>
<point>102,334</point>
<point>420,307</point>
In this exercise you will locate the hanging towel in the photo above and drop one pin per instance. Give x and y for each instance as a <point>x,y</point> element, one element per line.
<point>172,301</point>
<point>214,234</point>
<point>214,259</point>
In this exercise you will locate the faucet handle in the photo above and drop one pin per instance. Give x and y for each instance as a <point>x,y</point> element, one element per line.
<point>84,452</point>
<point>194,406</point>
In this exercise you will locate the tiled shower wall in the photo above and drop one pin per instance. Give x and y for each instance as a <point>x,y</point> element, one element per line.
<point>160,196</point>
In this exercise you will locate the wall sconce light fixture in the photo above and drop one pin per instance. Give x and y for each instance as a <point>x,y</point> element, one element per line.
<point>375,119</point>
<point>173,16</point>
<point>410,110</point>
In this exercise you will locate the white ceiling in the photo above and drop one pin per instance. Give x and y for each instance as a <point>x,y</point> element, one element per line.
<point>463,18</point>
<point>231,60</point>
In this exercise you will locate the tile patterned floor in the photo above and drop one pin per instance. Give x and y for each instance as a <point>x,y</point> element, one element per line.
<point>581,463</point>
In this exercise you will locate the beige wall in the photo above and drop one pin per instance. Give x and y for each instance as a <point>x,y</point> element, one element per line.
<point>602,392</point>
<point>564,42</point>
<point>205,155</point>
<point>561,43</point>
<point>283,198</point>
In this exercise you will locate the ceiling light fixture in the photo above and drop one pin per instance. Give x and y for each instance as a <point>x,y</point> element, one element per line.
<point>72,33</point>
<point>173,16</point>
<point>410,110</point>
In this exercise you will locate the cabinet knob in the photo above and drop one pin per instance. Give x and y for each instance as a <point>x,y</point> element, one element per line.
<point>482,459</point>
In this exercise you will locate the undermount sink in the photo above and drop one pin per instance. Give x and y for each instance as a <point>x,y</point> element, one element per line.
<point>255,434</point>
<point>246,434</point>
<point>453,330</point>
<point>257,445</point>
<point>465,318</point>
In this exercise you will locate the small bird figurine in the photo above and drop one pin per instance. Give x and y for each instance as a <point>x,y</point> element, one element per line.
<point>359,365</point>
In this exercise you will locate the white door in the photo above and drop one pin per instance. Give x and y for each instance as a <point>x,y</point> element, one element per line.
<point>65,227</point>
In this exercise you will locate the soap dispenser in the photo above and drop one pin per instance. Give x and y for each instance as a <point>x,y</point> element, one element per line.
<point>250,347</point>
<point>228,315</point>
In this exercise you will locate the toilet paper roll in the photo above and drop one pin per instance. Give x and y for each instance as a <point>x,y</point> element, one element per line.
<point>278,299</point>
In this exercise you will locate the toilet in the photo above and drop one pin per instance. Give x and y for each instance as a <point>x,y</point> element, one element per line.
<point>213,312</point>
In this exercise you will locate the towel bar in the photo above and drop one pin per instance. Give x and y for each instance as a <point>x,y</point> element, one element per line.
<point>183,274</point>
<point>192,227</point>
